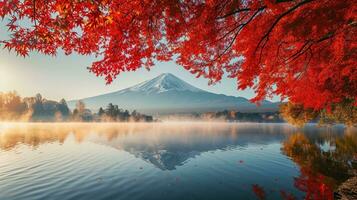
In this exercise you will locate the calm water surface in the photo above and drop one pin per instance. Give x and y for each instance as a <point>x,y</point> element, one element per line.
<point>173,161</point>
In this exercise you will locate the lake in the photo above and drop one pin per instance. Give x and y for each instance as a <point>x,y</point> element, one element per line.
<point>182,160</point>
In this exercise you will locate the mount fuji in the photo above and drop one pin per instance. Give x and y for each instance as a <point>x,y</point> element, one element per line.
<point>167,94</point>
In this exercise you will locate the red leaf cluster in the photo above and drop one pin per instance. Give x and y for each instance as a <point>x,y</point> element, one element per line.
<point>303,50</point>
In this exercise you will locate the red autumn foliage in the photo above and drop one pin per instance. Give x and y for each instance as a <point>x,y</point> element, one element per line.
<point>287,196</point>
<point>314,185</point>
<point>304,50</point>
<point>259,192</point>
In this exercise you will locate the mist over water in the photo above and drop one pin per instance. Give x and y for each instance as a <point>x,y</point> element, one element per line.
<point>186,160</point>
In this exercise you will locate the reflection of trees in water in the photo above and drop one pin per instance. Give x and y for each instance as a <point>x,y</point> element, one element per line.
<point>321,171</point>
<point>166,146</point>
<point>200,133</point>
<point>169,145</point>
<point>259,191</point>
<point>31,136</point>
<point>34,135</point>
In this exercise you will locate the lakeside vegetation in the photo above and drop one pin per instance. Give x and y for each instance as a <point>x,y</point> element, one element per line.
<point>38,109</point>
<point>227,116</point>
<point>236,116</point>
<point>295,114</point>
<point>344,112</point>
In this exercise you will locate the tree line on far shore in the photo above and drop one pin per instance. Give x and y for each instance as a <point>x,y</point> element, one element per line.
<point>295,114</point>
<point>15,108</point>
<point>236,116</point>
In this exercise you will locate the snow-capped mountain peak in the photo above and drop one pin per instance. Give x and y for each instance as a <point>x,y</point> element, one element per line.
<point>163,83</point>
<point>167,94</point>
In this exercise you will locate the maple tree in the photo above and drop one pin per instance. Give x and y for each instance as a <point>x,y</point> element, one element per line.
<point>303,50</point>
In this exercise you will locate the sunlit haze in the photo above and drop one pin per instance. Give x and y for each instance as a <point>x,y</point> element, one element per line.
<point>68,77</point>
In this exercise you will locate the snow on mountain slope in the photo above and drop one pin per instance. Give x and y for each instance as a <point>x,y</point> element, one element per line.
<point>168,94</point>
<point>163,83</point>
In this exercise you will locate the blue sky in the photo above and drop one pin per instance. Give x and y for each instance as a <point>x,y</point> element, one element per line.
<point>68,77</point>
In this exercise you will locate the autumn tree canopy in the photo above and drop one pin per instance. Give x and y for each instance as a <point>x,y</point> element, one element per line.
<point>303,50</point>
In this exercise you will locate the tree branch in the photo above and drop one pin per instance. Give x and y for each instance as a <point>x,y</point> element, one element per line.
<point>266,35</point>
<point>240,27</point>
<point>234,12</point>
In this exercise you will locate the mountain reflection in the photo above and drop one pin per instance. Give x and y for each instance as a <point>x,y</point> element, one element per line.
<point>325,156</point>
<point>165,145</point>
<point>168,145</point>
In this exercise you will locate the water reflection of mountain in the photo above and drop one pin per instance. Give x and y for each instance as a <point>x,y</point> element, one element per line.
<point>166,146</point>
<point>171,150</point>
<point>167,153</point>
<point>172,146</point>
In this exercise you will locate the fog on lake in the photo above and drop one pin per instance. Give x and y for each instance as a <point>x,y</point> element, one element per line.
<point>173,160</point>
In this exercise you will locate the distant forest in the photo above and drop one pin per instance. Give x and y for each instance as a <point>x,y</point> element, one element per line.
<point>227,116</point>
<point>38,109</point>
<point>236,116</point>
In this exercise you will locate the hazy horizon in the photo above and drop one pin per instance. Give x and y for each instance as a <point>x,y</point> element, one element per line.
<point>67,77</point>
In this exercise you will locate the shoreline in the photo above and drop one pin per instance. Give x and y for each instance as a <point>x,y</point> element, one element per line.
<point>347,190</point>
<point>160,122</point>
